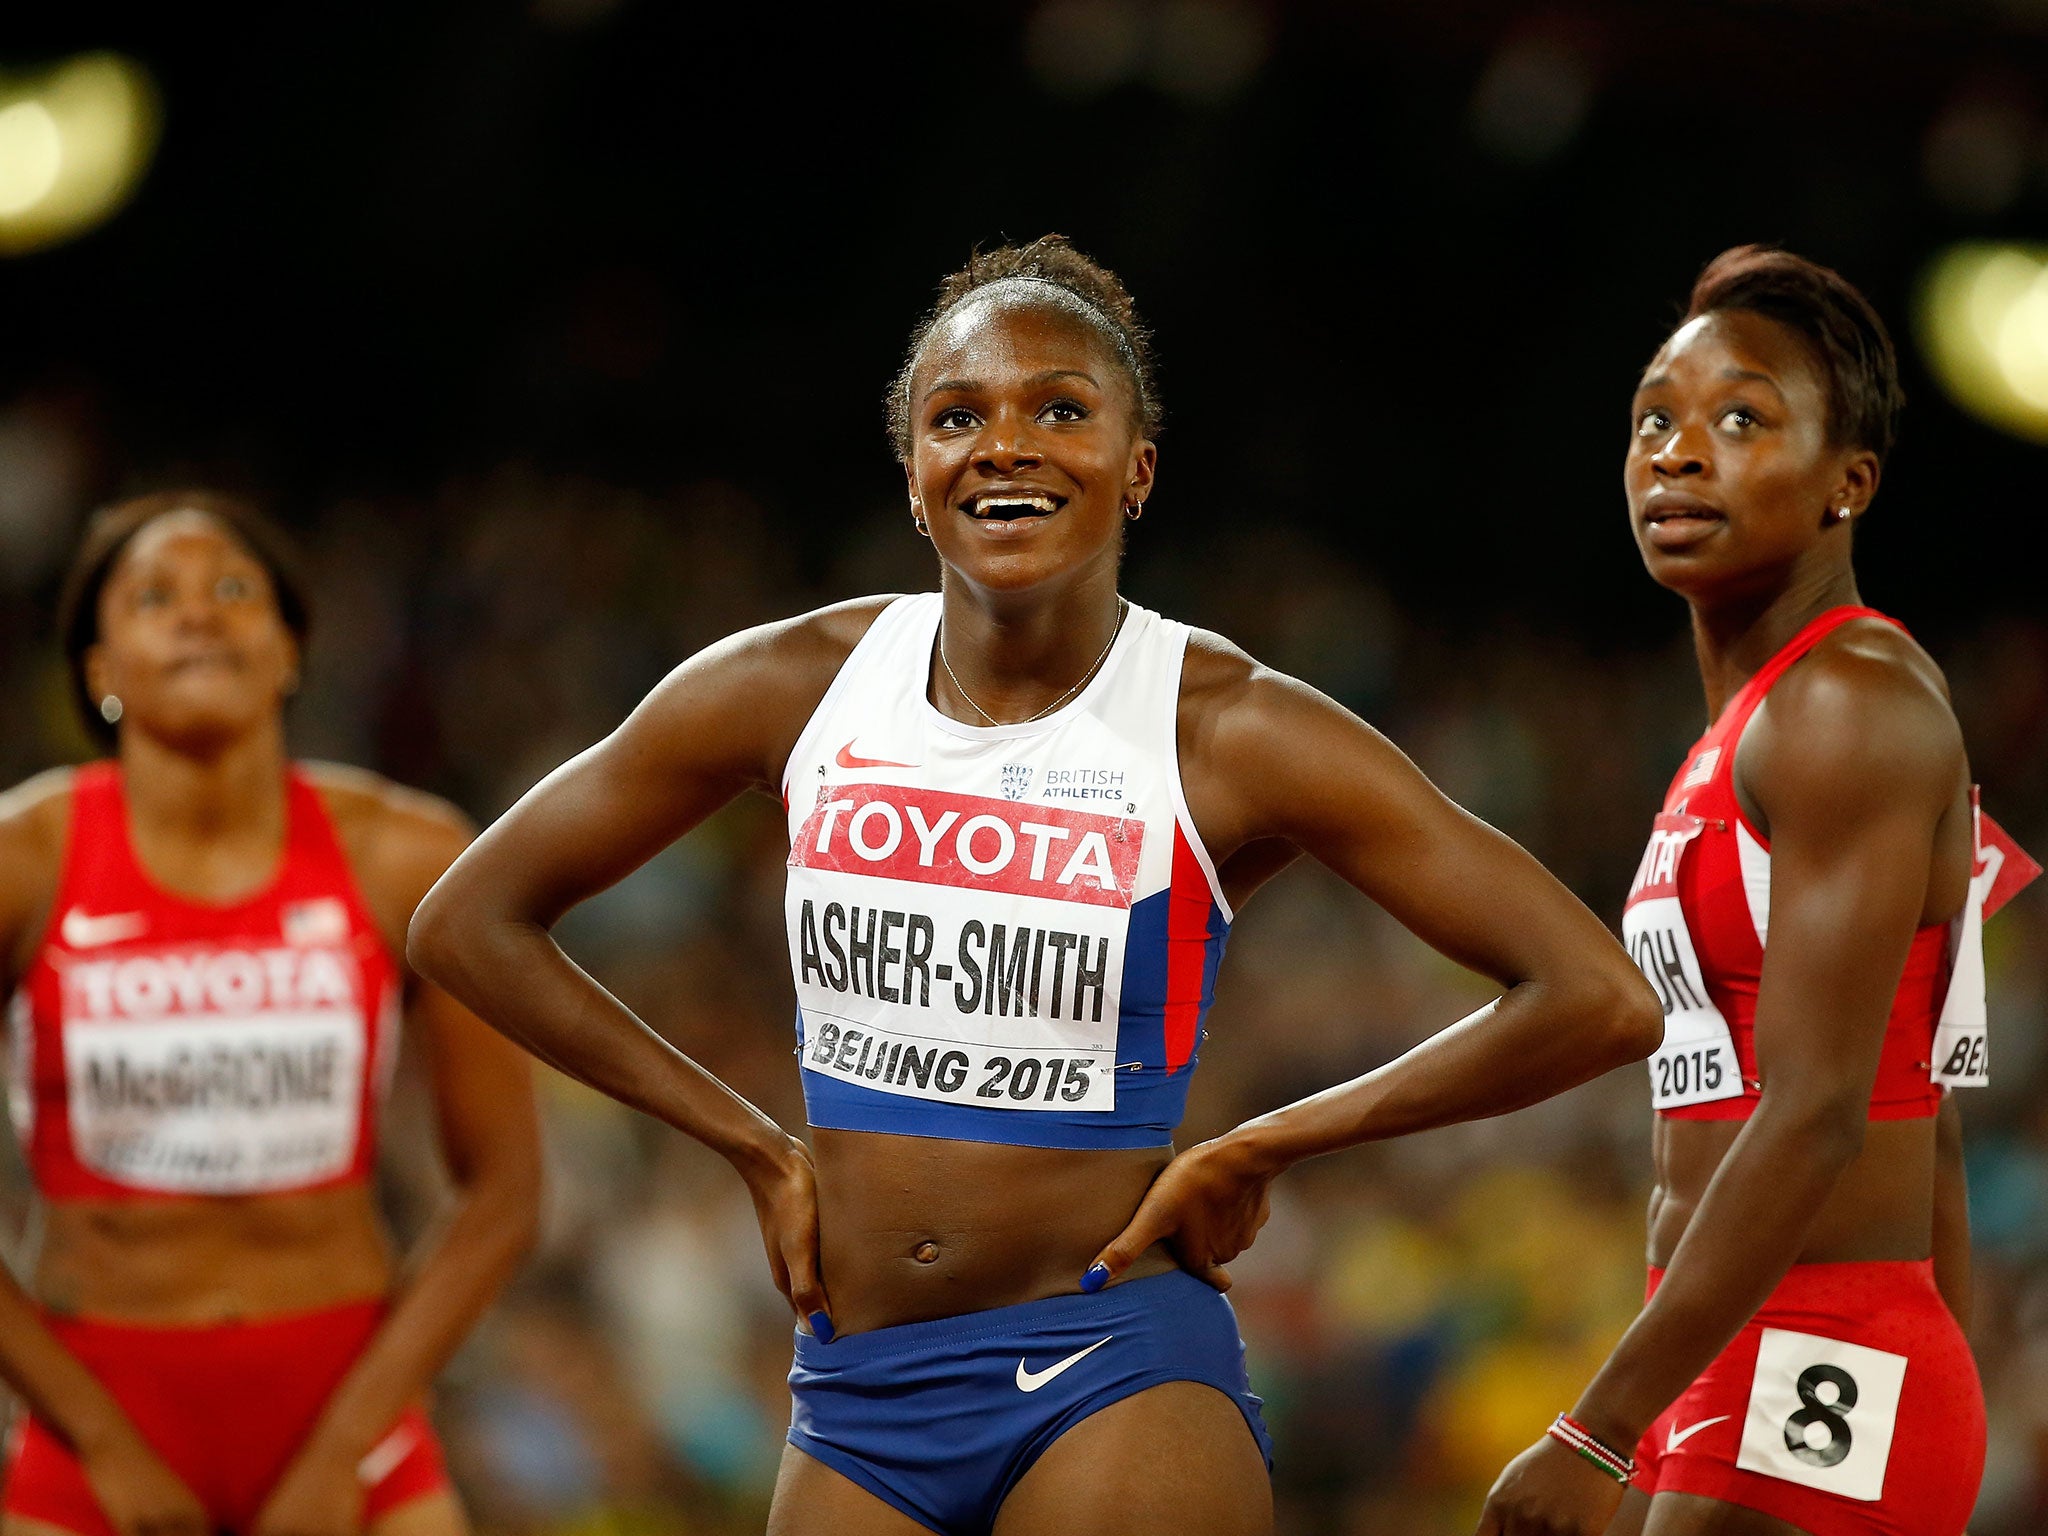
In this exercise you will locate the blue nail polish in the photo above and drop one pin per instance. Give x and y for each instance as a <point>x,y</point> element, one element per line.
<point>821,1327</point>
<point>1096,1278</point>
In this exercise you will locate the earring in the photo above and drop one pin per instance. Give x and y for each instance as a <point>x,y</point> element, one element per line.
<point>1841,514</point>
<point>110,709</point>
<point>1134,510</point>
<point>917,517</point>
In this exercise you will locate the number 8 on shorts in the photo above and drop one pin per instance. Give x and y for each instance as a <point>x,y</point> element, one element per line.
<point>1821,1413</point>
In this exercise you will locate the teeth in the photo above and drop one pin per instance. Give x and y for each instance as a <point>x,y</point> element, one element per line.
<point>1034,503</point>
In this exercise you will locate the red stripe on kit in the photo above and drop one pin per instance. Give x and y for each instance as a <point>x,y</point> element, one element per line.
<point>1188,906</point>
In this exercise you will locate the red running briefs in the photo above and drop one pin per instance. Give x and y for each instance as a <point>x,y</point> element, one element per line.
<point>1848,1406</point>
<point>227,1406</point>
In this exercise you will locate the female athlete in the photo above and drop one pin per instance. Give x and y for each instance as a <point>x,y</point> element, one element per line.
<point>204,943</point>
<point>1800,1366</point>
<point>1022,812</point>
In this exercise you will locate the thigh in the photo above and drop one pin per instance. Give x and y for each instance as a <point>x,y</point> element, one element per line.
<point>1688,1514</point>
<point>438,1513</point>
<point>1167,1461</point>
<point>813,1500</point>
<point>14,1525</point>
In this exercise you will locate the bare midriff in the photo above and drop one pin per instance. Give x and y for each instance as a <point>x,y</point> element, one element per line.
<point>214,1259</point>
<point>913,1228</point>
<point>1881,1209</point>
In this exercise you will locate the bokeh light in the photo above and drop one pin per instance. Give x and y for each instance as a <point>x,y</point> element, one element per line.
<point>75,141</point>
<point>1983,320</point>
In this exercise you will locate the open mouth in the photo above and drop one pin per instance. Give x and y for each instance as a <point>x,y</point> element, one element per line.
<point>1011,506</point>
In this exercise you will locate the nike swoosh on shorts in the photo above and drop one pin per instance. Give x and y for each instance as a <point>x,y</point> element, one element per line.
<point>1678,1436</point>
<point>84,930</point>
<point>846,759</point>
<point>1031,1381</point>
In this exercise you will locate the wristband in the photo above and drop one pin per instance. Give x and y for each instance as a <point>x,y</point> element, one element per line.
<point>1568,1431</point>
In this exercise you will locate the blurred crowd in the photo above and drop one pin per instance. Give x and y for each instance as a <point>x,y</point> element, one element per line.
<point>1415,1313</point>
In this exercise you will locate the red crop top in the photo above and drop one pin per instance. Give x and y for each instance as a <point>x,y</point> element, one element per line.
<point>166,1047</point>
<point>1697,919</point>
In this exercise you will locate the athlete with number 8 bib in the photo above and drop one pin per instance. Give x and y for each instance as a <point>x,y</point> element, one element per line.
<point>1809,910</point>
<point>1022,813</point>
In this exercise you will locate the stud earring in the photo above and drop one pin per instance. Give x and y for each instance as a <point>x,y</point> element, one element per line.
<point>110,709</point>
<point>1841,514</point>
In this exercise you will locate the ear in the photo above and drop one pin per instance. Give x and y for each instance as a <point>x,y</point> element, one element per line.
<point>1142,470</point>
<point>1856,486</point>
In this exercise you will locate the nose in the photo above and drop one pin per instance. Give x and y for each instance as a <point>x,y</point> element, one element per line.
<point>200,608</point>
<point>1007,445</point>
<point>1679,455</point>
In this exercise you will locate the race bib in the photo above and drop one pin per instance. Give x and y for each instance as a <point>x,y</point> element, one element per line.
<point>962,948</point>
<point>223,1106</point>
<point>1822,1413</point>
<point>1696,1064</point>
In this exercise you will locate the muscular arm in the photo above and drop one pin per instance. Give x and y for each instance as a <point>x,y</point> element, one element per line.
<point>489,1135</point>
<point>1273,759</point>
<point>1854,761</point>
<point>722,723</point>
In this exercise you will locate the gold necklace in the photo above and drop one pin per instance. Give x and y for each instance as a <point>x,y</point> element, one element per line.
<point>1122,609</point>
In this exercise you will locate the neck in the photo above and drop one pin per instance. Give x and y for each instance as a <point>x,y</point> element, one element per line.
<point>176,792</point>
<point>1734,635</point>
<point>1015,653</point>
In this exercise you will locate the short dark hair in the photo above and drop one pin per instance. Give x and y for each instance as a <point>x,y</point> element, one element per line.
<point>1098,294</point>
<point>109,532</point>
<point>1838,325</point>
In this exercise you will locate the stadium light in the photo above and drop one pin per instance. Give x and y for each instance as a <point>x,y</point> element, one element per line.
<point>1983,323</point>
<point>75,140</point>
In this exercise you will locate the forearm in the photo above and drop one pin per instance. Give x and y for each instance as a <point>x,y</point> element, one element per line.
<point>518,980</point>
<point>1535,1041</point>
<point>1748,1231</point>
<point>57,1387</point>
<point>457,1274</point>
<point>1952,1214</point>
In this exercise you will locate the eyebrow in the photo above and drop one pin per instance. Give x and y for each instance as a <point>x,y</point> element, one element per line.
<point>1036,381</point>
<point>1730,375</point>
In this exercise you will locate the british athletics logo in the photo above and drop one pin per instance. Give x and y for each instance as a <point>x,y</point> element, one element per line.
<point>933,837</point>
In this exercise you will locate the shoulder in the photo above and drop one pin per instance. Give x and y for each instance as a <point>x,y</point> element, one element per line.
<point>34,818</point>
<point>1867,707</point>
<point>741,703</point>
<point>1226,690</point>
<point>34,815</point>
<point>398,840</point>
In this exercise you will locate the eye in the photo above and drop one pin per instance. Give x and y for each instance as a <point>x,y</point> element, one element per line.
<point>1063,410</point>
<point>234,589</point>
<point>1651,422</point>
<point>954,418</point>
<point>152,594</point>
<point>1738,418</point>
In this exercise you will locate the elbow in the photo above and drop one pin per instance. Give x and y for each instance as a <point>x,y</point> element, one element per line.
<point>430,937</point>
<point>1830,1128</point>
<point>1629,1021</point>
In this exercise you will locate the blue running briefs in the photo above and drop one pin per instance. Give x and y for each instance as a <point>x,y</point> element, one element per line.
<point>941,1419</point>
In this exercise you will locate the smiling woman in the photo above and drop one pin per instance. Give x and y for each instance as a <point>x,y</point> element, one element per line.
<point>1022,812</point>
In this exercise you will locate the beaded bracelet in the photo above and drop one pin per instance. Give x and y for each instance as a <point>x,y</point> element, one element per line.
<point>1569,1431</point>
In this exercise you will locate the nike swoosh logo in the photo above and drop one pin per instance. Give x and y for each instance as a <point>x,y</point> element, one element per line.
<point>846,759</point>
<point>1031,1381</point>
<point>83,930</point>
<point>1679,1436</point>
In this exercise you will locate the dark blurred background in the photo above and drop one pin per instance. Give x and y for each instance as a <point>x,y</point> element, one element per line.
<point>559,330</point>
